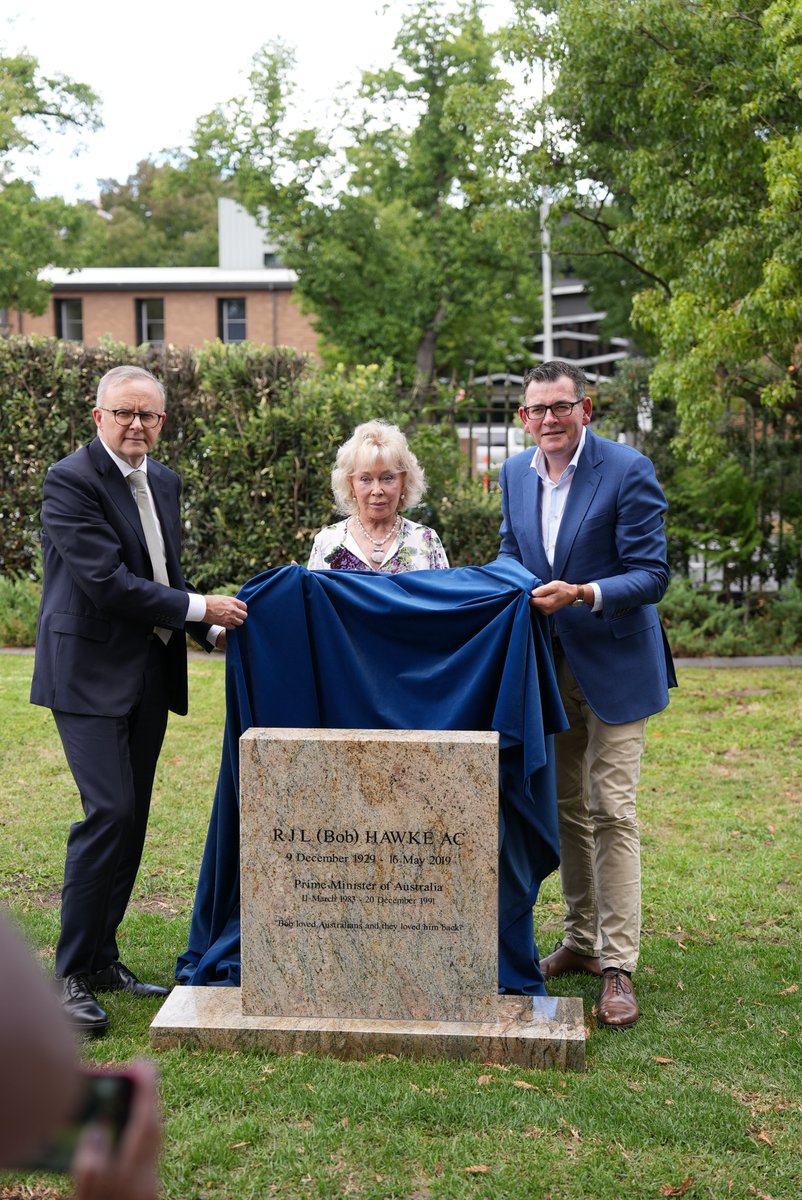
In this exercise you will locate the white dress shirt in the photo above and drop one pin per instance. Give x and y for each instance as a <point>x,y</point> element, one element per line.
<point>553,497</point>
<point>196,604</point>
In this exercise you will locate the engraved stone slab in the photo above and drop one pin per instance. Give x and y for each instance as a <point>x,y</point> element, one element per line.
<point>545,1032</point>
<point>369,866</point>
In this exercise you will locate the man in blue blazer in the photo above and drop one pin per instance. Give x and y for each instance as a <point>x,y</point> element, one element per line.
<point>586,516</point>
<point>110,661</point>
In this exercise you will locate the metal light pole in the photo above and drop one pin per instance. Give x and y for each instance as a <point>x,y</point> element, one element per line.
<point>545,263</point>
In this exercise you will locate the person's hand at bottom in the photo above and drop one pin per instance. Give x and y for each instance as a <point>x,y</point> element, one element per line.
<point>130,1170</point>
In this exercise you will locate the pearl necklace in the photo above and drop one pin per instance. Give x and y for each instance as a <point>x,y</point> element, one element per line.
<point>377,554</point>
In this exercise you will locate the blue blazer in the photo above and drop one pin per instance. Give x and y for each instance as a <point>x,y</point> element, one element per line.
<point>611,534</point>
<point>99,601</point>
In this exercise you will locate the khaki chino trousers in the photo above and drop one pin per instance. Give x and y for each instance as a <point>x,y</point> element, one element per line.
<point>598,768</point>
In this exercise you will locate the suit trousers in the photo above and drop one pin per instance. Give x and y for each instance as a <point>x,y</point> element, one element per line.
<point>598,768</point>
<point>113,762</point>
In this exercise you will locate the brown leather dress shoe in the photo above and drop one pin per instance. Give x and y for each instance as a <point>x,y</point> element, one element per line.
<point>565,961</point>
<point>617,1007</point>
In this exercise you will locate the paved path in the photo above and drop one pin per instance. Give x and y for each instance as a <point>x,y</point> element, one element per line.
<point>768,660</point>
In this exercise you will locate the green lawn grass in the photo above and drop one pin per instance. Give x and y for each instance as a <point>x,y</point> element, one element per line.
<point>703,1098</point>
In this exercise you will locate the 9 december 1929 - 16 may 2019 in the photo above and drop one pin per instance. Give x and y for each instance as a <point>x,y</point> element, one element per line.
<point>369,900</point>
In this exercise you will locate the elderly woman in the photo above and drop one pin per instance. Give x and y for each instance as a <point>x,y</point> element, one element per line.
<point>375,477</point>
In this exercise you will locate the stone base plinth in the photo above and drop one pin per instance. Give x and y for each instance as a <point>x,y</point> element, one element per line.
<point>531,1032</point>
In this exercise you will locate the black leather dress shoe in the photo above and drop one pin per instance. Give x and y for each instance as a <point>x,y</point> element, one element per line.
<point>117,978</point>
<point>80,1005</point>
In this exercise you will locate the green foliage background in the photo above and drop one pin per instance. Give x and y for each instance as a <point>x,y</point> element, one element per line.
<point>252,430</point>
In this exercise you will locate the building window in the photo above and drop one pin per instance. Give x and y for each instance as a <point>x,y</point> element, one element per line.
<point>231,320</point>
<point>70,320</point>
<point>150,322</point>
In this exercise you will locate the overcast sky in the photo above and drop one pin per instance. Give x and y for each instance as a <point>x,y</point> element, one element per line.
<point>158,67</point>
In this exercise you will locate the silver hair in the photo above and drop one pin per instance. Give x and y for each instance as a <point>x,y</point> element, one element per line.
<point>370,442</point>
<point>121,375</point>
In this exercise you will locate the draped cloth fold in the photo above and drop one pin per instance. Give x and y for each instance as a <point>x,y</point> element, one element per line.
<point>452,649</point>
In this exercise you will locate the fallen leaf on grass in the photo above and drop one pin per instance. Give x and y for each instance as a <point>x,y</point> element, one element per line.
<point>658,1059</point>
<point>521,1083</point>
<point>485,1079</point>
<point>789,990</point>
<point>635,1087</point>
<point>239,1145</point>
<point>765,1137</point>
<point>345,1122</point>
<point>668,1189</point>
<point>753,1191</point>
<point>570,1131</point>
<point>29,1194</point>
<point>478,1170</point>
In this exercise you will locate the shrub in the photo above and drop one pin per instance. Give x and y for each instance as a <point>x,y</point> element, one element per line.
<point>468,522</point>
<point>19,606</point>
<point>699,623</point>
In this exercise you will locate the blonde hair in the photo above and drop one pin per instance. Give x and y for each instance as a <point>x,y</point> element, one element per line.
<point>370,442</point>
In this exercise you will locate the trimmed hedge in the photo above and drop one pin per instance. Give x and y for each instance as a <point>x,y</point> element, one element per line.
<point>252,430</point>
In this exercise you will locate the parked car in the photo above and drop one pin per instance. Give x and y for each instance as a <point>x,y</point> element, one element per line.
<point>487,455</point>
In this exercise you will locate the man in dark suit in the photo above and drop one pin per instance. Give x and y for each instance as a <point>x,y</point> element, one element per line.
<point>586,516</point>
<point>110,662</point>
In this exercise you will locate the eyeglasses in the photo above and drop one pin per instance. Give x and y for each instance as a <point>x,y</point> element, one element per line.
<point>536,412</point>
<point>125,416</point>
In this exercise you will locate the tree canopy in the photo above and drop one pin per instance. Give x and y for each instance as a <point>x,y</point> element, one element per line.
<point>35,232</point>
<point>163,215</point>
<point>402,229</point>
<point>688,114</point>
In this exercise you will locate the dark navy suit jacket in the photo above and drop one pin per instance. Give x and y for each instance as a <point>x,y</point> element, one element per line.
<point>99,600</point>
<point>612,534</point>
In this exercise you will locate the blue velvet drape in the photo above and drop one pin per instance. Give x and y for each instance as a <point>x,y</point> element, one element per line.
<point>454,649</point>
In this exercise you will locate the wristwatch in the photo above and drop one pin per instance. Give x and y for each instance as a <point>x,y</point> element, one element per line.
<point>580,598</point>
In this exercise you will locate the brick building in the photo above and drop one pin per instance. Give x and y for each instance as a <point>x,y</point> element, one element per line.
<point>250,296</point>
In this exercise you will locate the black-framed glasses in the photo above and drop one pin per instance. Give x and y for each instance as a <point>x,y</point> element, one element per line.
<point>125,416</point>
<point>536,412</point>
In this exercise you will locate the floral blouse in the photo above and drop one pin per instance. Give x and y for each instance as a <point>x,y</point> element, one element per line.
<point>415,548</point>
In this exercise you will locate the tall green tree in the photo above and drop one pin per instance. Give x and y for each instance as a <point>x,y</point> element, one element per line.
<point>688,114</point>
<point>35,232</point>
<point>402,227</point>
<point>163,215</point>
